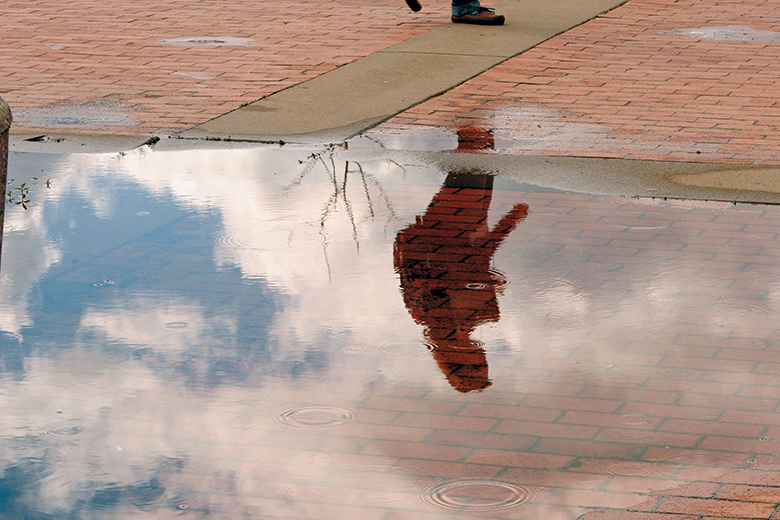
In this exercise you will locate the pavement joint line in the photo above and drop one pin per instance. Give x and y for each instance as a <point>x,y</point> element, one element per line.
<point>359,95</point>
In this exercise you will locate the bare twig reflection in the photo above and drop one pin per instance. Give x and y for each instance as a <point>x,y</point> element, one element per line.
<point>327,160</point>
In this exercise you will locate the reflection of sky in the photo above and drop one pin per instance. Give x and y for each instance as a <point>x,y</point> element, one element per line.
<point>176,275</point>
<point>160,310</point>
<point>159,250</point>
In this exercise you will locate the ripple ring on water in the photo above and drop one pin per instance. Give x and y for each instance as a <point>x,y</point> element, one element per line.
<point>60,431</point>
<point>229,241</point>
<point>634,420</point>
<point>475,495</point>
<point>316,416</point>
<point>391,348</point>
<point>176,325</point>
<point>632,469</point>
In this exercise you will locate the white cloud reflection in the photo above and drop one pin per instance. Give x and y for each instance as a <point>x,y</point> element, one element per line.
<point>170,326</point>
<point>29,254</point>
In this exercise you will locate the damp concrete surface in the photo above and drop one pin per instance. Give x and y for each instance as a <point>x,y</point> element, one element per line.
<point>199,330</point>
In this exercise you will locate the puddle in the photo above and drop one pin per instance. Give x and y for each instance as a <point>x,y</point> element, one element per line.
<point>634,420</point>
<point>280,331</point>
<point>731,33</point>
<point>98,114</point>
<point>221,41</point>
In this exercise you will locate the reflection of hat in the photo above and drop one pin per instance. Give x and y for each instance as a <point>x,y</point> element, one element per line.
<point>466,369</point>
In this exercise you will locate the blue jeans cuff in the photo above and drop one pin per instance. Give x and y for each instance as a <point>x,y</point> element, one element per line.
<point>460,10</point>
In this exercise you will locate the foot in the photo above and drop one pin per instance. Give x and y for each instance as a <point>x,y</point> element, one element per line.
<point>482,16</point>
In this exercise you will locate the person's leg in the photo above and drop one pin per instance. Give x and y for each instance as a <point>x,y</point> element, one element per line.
<point>470,11</point>
<point>461,7</point>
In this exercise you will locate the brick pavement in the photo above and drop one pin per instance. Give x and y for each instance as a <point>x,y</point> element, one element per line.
<point>653,79</point>
<point>110,66</point>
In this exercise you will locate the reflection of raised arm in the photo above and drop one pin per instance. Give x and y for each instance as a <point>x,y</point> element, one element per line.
<point>506,225</point>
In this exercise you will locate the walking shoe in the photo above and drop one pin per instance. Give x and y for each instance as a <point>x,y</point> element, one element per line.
<point>482,16</point>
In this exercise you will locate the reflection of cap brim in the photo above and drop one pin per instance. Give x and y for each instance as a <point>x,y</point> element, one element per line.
<point>465,370</point>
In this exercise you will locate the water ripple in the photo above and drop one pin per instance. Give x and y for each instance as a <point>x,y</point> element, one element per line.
<point>316,416</point>
<point>476,496</point>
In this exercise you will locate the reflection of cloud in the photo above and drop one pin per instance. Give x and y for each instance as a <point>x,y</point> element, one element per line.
<point>28,255</point>
<point>150,321</point>
<point>88,436</point>
<point>299,232</point>
<point>275,227</point>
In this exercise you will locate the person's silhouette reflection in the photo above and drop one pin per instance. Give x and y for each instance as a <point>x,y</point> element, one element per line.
<point>443,261</point>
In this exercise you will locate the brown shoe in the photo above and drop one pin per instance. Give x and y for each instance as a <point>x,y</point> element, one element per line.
<point>483,16</point>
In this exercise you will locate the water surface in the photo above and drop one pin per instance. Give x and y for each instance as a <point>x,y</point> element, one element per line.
<point>270,332</point>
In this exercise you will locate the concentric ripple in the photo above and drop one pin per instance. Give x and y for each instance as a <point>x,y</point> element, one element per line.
<point>635,224</point>
<point>61,431</point>
<point>316,416</point>
<point>633,469</point>
<point>388,348</point>
<point>176,325</point>
<point>693,457</point>
<point>474,495</point>
<point>229,241</point>
<point>634,420</point>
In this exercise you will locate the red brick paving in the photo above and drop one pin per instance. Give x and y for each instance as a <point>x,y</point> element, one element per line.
<point>102,65</point>
<point>630,84</point>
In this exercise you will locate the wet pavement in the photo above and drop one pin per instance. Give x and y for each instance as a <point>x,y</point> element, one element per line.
<point>328,333</point>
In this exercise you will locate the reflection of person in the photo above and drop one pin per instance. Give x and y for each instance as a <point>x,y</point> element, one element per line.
<point>443,261</point>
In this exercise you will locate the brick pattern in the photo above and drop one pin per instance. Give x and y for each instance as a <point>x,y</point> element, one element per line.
<point>89,65</point>
<point>634,83</point>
